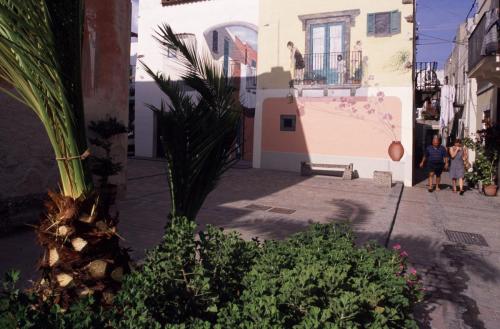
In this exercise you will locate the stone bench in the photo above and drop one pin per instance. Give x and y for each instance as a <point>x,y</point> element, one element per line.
<point>382,178</point>
<point>309,169</point>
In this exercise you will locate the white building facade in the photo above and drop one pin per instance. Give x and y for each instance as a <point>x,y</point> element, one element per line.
<point>231,24</point>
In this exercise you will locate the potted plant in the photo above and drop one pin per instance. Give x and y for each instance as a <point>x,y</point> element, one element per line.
<point>489,176</point>
<point>104,166</point>
<point>483,173</point>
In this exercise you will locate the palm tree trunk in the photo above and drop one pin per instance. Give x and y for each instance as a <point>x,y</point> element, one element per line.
<point>82,254</point>
<point>40,51</point>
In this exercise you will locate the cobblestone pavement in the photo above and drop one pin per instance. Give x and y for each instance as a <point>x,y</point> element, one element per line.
<point>462,279</point>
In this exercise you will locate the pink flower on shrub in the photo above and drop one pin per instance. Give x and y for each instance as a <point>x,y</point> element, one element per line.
<point>413,271</point>
<point>403,254</point>
<point>396,246</point>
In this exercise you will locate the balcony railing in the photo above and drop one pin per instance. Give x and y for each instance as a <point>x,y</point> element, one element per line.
<point>334,69</point>
<point>481,43</point>
<point>425,76</point>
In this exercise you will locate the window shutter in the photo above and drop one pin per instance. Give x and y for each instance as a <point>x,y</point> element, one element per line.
<point>395,22</point>
<point>371,24</point>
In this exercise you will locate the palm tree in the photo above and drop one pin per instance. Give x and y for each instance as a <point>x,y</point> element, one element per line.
<point>198,128</point>
<point>40,51</point>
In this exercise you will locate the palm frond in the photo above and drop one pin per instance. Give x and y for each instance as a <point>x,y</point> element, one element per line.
<point>198,128</point>
<point>40,47</point>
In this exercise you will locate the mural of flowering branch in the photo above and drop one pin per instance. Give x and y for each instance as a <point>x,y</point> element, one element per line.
<point>374,107</point>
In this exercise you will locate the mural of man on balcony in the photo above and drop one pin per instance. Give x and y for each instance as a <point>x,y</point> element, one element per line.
<point>297,64</point>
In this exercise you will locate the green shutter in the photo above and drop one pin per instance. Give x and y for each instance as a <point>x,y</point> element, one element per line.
<point>371,24</point>
<point>395,22</point>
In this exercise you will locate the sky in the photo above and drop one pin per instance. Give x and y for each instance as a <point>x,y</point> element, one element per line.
<point>438,22</point>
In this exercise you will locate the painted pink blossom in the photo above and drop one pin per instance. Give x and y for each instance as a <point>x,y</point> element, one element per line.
<point>380,94</point>
<point>342,105</point>
<point>367,106</point>
<point>343,99</point>
<point>396,246</point>
<point>387,116</point>
<point>380,99</point>
<point>352,101</point>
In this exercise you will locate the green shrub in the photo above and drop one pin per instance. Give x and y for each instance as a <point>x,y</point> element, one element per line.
<point>23,310</point>
<point>186,281</point>
<point>319,279</point>
<point>315,279</point>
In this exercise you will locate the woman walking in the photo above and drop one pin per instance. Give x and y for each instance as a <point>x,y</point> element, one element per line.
<point>458,155</point>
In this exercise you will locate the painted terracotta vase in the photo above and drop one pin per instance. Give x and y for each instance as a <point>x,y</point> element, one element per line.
<point>396,151</point>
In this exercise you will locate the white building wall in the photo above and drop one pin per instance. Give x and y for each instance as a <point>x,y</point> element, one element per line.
<point>193,18</point>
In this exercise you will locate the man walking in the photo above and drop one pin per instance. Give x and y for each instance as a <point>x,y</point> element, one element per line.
<point>436,157</point>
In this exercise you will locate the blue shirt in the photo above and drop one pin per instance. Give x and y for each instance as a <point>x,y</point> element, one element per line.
<point>435,154</point>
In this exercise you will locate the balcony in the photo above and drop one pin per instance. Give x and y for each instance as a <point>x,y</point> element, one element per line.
<point>426,79</point>
<point>335,69</point>
<point>484,50</point>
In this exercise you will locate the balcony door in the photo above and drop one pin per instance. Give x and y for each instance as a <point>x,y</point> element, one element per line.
<point>327,44</point>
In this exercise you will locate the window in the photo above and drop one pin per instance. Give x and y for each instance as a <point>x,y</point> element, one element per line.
<point>215,41</point>
<point>327,56</point>
<point>287,122</point>
<point>384,24</point>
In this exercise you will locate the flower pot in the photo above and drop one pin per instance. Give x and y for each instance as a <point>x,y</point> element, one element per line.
<point>396,151</point>
<point>490,190</point>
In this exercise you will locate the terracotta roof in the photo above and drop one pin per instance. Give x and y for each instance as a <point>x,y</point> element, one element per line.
<point>177,2</point>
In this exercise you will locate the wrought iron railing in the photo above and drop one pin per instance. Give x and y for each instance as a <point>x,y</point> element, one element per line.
<point>480,45</point>
<point>335,68</point>
<point>425,76</point>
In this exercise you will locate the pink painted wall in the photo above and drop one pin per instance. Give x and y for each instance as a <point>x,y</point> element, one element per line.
<point>341,126</point>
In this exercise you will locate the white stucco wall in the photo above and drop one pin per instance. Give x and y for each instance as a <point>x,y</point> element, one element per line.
<point>193,18</point>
